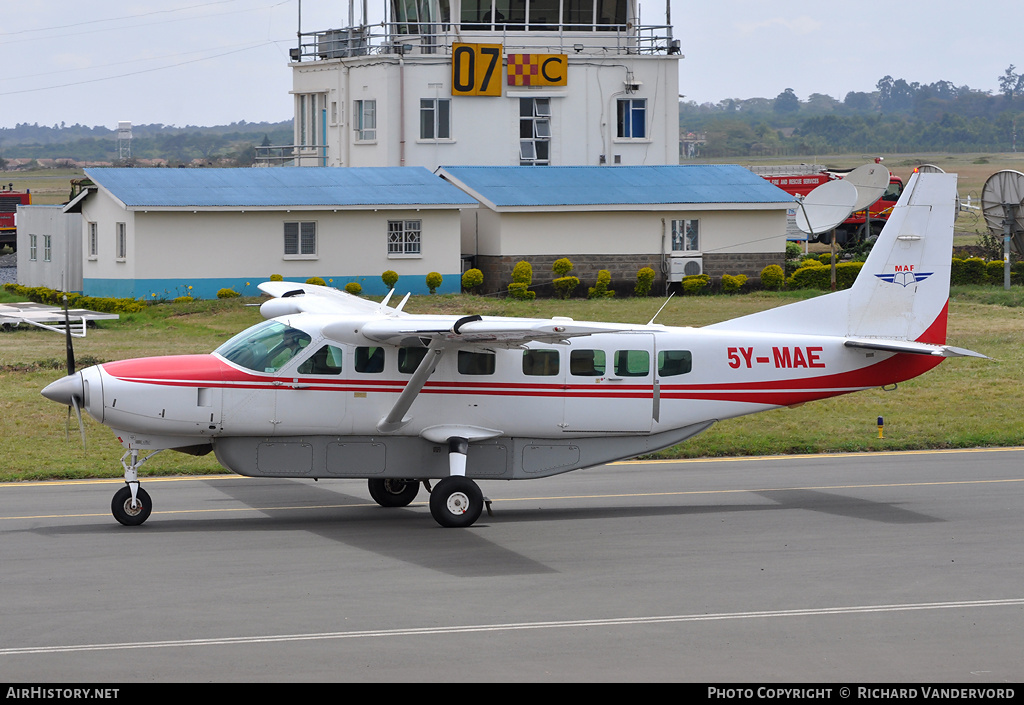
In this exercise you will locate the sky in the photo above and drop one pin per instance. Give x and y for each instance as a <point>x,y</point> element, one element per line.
<point>214,62</point>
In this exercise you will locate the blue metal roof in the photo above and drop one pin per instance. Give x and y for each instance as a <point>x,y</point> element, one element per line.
<point>278,186</point>
<point>511,186</point>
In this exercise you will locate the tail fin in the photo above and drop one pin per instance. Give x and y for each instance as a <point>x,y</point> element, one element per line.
<point>902,290</point>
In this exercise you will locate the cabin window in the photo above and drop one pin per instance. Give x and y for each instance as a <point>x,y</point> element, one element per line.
<point>476,363</point>
<point>685,235</point>
<point>632,118</point>
<point>369,360</point>
<point>266,347</point>
<point>435,119</point>
<point>300,239</point>
<point>674,362</point>
<point>410,358</point>
<point>587,363</point>
<point>632,363</point>
<point>325,361</point>
<point>404,238</point>
<point>540,363</point>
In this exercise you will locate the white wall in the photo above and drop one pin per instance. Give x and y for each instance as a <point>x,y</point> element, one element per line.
<point>64,269</point>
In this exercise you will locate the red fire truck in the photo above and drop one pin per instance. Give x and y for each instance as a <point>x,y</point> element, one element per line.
<point>801,179</point>
<point>9,202</point>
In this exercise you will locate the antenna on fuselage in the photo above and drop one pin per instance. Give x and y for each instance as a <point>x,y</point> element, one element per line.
<point>662,307</point>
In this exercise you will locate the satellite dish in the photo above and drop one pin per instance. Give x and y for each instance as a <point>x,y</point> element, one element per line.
<point>871,181</point>
<point>1002,197</point>
<point>929,169</point>
<point>826,206</point>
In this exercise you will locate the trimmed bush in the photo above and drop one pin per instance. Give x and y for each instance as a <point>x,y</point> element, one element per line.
<point>390,278</point>
<point>731,284</point>
<point>522,277</point>
<point>318,281</point>
<point>564,286</point>
<point>772,277</point>
<point>600,290</point>
<point>561,267</point>
<point>644,281</point>
<point>276,278</point>
<point>227,293</point>
<point>696,283</point>
<point>434,280</point>
<point>472,279</point>
<point>968,271</point>
<point>518,290</point>
<point>354,288</point>
<point>819,277</point>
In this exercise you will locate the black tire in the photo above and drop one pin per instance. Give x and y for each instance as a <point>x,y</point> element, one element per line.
<point>393,493</point>
<point>456,502</point>
<point>122,510</point>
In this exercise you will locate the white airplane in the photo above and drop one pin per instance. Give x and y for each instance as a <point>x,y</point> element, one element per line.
<point>335,386</point>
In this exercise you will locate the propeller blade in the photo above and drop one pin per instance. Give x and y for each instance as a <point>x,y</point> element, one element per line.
<point>78,413</point>
<point>67,340</point>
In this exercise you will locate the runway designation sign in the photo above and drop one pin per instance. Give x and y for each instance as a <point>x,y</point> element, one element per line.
<point>537,69</point>
<point>476,69</point>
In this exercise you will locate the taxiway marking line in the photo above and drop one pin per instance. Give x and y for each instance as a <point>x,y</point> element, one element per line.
<point>515,626</point>
<point>502,500</point>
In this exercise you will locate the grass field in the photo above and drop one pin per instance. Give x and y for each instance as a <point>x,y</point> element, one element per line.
<point>963,403</point>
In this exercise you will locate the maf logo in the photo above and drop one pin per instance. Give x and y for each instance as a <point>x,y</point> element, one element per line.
<point>537,69</point>
<point>904,275</point>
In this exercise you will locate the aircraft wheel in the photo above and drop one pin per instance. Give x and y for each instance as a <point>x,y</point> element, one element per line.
<point>121,506</point>
<point>456,502</point>
<point>393,493</point>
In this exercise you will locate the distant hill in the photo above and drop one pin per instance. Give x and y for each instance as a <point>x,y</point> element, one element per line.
<point>79,145</point>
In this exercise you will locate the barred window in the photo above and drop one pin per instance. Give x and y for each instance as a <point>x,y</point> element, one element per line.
<point>404,237</point>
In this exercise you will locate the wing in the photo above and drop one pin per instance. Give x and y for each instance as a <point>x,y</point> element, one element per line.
<point>293,297</point>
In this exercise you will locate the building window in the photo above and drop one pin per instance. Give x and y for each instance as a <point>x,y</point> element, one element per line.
<point>534,131</point>
<point>686,236</point>
<point>94,240</point>
<point>47,247</point>
<point>366,120</point>
<point>632,118</point>
<point>311,118</point>
<point>435,119</point>
<point>404,238</point>
<point>122,242</point>
<point>300,239</point>
<point>32,247</point>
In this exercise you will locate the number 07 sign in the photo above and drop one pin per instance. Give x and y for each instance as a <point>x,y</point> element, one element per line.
<point>476,69</point>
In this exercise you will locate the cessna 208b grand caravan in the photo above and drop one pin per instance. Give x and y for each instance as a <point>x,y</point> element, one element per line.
<point>335,386</point>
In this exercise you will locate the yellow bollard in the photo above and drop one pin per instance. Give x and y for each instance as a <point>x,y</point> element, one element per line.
<point>881,424</point>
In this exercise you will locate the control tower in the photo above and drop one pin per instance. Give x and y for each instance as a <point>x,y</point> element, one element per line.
<point>486,82</point>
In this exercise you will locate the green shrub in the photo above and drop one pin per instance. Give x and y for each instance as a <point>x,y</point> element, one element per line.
<point>731,284</point>
<point>772,277</point>
<point>472,279</point>
<point>696,283</point>
<point>819,277</point>
<point>434,280</point>
<point>45,295</point>
<point>812,261</point>
<point>561,267</point>
<point>390,278</point>
<point>519,290</point>
<point>227,293</point>
<point>826,258</point>
<point>318,281</point>
<point>994,271</point>
<point>354,288</point>
<point>276,278</point>
<point>968,271</point>
<point>644,281</point>
<point>600,290</point>
<point>564,286</point>
<point>182,299</point>
<point>793,250</point>
<point>522,273</point>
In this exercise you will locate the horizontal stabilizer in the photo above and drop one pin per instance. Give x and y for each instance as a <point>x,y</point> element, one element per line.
<point>913,348</point>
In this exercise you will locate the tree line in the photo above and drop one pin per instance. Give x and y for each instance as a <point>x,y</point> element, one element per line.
<point>234,143</point>
<point>898,116</point>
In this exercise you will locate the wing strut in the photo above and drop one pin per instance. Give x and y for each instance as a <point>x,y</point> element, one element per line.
<point>396,417</point>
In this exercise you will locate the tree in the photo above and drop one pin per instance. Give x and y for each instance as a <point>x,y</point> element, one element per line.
<point>786,102</point>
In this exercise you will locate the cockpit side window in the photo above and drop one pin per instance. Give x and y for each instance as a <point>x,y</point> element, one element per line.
<point>325,361</point>
<point>266,347</point>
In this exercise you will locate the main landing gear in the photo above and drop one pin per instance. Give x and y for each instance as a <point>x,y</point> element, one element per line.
<point>456,501</point>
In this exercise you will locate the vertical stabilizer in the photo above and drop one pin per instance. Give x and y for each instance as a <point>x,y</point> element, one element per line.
<point>903,288</point>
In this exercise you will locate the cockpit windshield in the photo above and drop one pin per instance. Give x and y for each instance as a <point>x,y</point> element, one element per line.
<point>266,347</point>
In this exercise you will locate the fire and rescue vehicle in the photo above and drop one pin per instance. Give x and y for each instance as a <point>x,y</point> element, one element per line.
<point>801,179</point>
<point>9,202</point>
